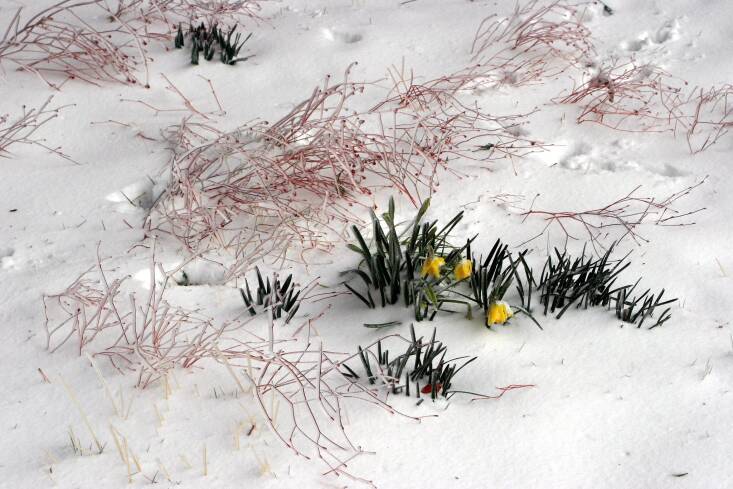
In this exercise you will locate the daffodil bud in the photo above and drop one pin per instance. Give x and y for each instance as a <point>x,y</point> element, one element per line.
<point>499,313</point>
<point>432,266</point>
<point>463,269</point>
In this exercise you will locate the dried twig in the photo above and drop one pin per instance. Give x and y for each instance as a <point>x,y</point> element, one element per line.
<point>59,41</point>
<point>625,214</point>
<point>64,40</point>
<point>535,42</point>
<point>21,129</point>
<point>627,96</point>
<point>297,377</point>
<point>705,115</point>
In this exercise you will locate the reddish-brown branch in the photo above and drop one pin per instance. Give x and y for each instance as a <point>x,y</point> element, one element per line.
<point>503,390</point>
<point>22,129</point>
<point>63,41</point>
<point>624,215</point>
<point>57,41</point>
<point>627,96</point>
<point>263,188</point>
<point>536,41</point>
<point>297,377</point>
<point>705,115</point>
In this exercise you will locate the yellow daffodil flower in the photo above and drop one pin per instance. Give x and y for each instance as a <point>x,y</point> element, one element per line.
<point>499,313</point>
<point>432,267</point>
<point>463,269</point>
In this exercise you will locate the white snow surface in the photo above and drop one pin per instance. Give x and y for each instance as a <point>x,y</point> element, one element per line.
<point>612,406</point>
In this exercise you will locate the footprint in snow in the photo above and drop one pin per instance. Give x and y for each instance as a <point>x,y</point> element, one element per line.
<point>342,36</point>
<point>637,44</point>
<point>587,158</point>
<point>6,258</point>
<point>669,31</point>
<point>137,195</point>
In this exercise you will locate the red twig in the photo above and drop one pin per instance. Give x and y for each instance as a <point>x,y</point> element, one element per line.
<point>57,41</point>
<point>625,214</point>
<point>64,40</point>
<point>535,42</point>
<point>299,379</point>
<point>627,96</point>
<point>503,390</point>
<point>706,115</point>
<point>263,188</point>
<point>21,130</point>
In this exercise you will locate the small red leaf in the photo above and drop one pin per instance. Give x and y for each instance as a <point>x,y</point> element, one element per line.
<point>429,388</point>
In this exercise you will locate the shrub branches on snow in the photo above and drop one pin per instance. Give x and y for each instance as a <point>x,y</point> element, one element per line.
<point>296,180</point>
<point>303,395</point>
<point>705,116</point>
<point>627,96</point>
<point>269,183</point>
<point>301,388</point>
<point>435,109</point>
<point>21,129</point>
<point>65,41</point>
<point>540,40</point>
<point>149,336</point>
<point>624,215</point>
<point>58,41</point>
<point>535,42</point>
<point>171,12</point>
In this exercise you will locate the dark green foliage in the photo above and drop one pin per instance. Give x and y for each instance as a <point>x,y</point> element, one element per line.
<point>391,267</point>
<point>283,297</point>
<point>588,281</point>
<point>583,281</point>
<point>640,308</point>
<point>230,50</point>
<point>382,325</point>
<point>206,40</point>
<point>491,278</point>
<point>422,362</point>
<point>179,41</point>
<point>195,52</point>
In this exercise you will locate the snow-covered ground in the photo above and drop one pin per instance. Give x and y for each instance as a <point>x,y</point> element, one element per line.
<point>612,406</point>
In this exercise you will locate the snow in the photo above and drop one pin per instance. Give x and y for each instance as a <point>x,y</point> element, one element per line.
<point>611,406</point>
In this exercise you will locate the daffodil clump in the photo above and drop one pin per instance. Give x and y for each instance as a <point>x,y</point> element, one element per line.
<point>417,263</point>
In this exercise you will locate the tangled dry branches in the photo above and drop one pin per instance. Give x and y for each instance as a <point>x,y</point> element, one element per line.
<point>150,337</point>
<point>705,115</point>
<point>171,12</point>
<point>66,41</point>
<point>302,389</point>
<point>624,215</point>
<point>262,188</point>
<point>21,129</point>
<point>535,42</point>
<point>627,96</point>
<point>59,42</point>
<point>436,110</point>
